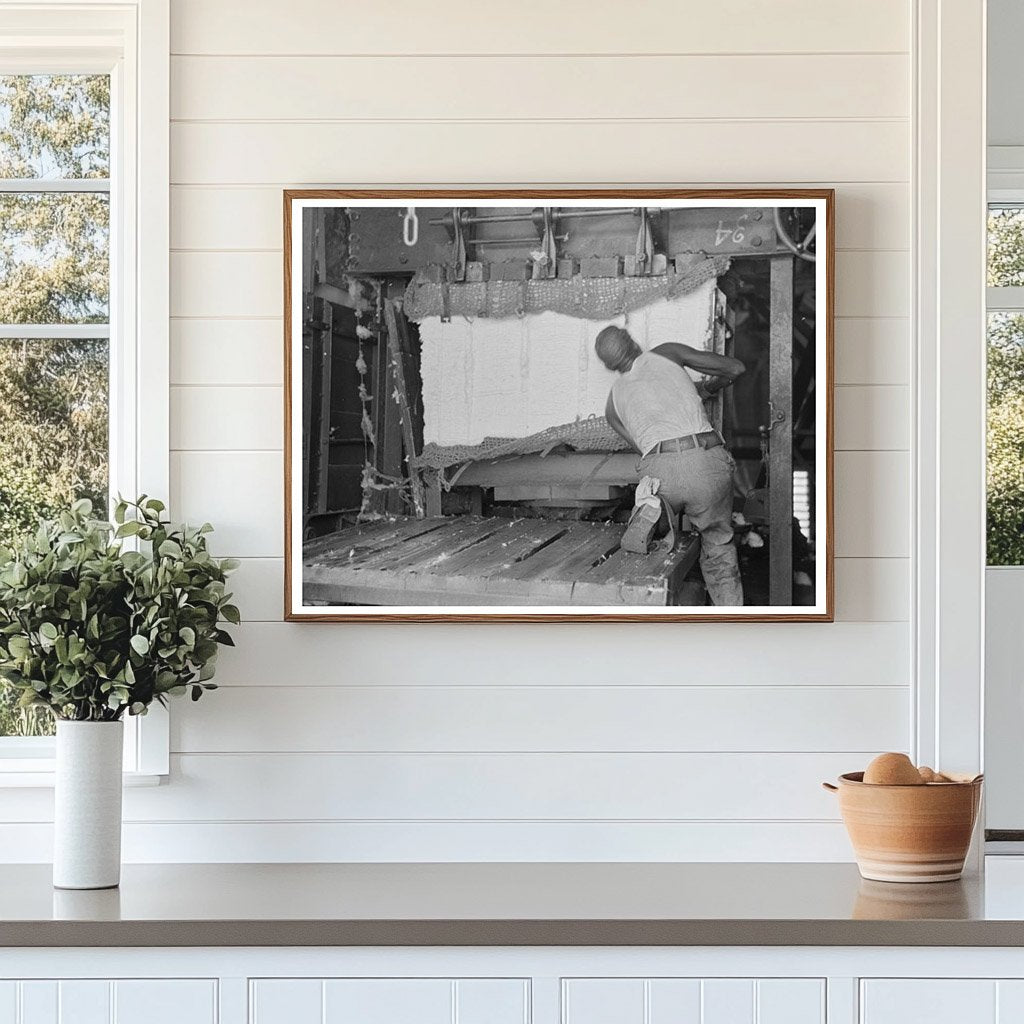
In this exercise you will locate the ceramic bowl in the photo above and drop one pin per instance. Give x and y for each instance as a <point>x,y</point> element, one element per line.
<point>909,833</point>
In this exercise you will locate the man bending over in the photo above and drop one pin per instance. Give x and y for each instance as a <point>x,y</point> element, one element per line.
<point>655,406</point>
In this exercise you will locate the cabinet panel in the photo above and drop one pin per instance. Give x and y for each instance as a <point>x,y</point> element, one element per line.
<point>8,1002</point>
<point>693,1001</point>
<point>165,1002</point>
<point>286,1001</point>
<point>675,1000</point>
<point>1009,1002</point>
<point>728,1001</point>
<point>790,1001</point>
<point>84,1002</point>
<point>603,1001</point>
<point>389,1001</point>
<point>929,1001</point>
<point>492,1001</point>
<point>101,1001</point>
<point>38,1002</point>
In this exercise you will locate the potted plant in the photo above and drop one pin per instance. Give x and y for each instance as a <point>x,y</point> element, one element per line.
<point>99,620</point>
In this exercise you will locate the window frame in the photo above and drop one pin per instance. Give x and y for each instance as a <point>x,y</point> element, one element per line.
<point>130,41</point>
<point>1004,298</point>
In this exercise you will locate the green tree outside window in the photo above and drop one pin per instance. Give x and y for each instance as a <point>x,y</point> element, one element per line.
<point>54,270</point>
<point>1005,470</point>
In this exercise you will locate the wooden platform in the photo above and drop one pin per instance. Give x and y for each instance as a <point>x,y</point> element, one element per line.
<point>474,560</point>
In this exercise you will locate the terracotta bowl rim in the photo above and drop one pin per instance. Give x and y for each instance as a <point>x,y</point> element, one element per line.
<point>857,779</point>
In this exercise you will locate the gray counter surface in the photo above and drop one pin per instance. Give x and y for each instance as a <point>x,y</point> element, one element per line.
<point>502,904</point>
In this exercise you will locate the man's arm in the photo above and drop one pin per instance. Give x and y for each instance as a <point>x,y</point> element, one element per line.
<point>616,424</point>
<point>725,368</point>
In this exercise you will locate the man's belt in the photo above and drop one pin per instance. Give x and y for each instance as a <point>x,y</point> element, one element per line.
<point>708,439</point>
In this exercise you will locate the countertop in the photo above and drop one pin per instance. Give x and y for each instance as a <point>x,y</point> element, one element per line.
<point>511,904</point>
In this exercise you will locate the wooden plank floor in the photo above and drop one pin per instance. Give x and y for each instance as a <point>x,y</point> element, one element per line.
<point>474,560</point>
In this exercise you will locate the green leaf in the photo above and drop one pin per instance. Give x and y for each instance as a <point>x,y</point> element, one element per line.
<point>18,646</point>
<point>231,613</point>
<point>140,644</point>
<point>170,549</point>
<point>48,631</point>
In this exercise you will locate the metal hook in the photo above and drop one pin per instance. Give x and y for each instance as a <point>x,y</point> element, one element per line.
<point>774,418</point>
<point>410,227</point>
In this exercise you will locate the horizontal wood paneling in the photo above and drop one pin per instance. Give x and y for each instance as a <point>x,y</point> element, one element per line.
<point>872,418</point>
<point>236,418</point>
<point>739,152</point>
<point>872,501</point>
<point>726,93</point>
<point>536,26</point>
<point>460,787</point>
<point>478,88</point>
<point>553,718</point>
<point>233,284</point>
<point>258,585</point>
<point>867,589</point>
<point>241,493</point>
<point>227,352</point>
<point>231,488</point>
<point>329,841</point>
<point>872,350</point>
<point>868,216</point>
<point>795,654</point>
<point>872,589</point>
<point>211,418</point>
<point>236,284</point>
<point>479,786</point>
<point>872,283</point>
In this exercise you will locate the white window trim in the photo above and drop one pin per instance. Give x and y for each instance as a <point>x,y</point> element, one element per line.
<point>131,41</point>
<point>949,445</point>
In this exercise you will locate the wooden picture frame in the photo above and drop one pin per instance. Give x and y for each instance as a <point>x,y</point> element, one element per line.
<point>762,221</point>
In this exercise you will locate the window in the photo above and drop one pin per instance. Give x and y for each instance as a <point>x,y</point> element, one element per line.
<point>84,125</point>
<point>54,308</point>
<point>1005,476</point>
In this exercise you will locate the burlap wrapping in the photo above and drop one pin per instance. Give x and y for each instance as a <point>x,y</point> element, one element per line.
<point>590,298</point>
<point>592,434</point>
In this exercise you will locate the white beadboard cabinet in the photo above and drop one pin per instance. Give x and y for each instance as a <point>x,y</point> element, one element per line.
<point>389,1001</point>
<point>693,1001</point>
<point>942,1001</point>
<point>513,985</point>
<point>108,1001</point>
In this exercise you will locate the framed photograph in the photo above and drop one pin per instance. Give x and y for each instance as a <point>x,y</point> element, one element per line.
<point>547,405</point>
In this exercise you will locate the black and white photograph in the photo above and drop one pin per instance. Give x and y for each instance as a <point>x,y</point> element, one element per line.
<point>558,405</point>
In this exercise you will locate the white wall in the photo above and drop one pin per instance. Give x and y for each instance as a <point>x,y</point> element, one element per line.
<point>1005,81</point>
<point>601,742</point>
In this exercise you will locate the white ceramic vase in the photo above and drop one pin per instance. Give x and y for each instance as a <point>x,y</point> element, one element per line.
<point>87,806</point>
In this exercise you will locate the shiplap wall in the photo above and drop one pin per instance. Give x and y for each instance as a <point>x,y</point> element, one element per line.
<point>600,742</point>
